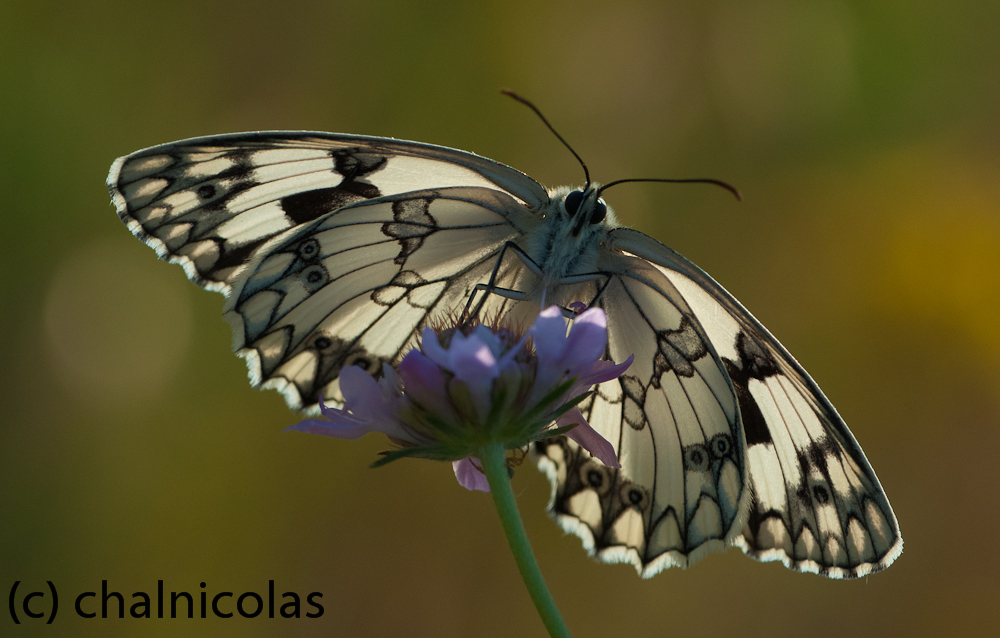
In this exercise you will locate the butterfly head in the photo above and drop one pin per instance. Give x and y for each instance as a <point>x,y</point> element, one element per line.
<point>585,208</point>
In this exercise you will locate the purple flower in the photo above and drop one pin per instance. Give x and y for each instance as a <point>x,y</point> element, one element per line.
<point>472,386</point>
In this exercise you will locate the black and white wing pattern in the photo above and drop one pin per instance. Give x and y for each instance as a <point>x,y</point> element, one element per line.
<point>331,249</point>
<point>673,418</point>
<point>807,495</point>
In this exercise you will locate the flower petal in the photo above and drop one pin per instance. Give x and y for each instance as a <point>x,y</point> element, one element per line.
<point>359,388</point>
<point>475,365</point>
<point>390,382</point>
<point>490,338</point>
<point>368,407</point>
<point>431,347</point>
<point>509,358</point>
<point>588,338</point>
<point>601,372</point>
<point>326,428</point>
<point>470,475</point>
<point>549,334</point>
<point>588,438</point>
<point>426,383</point>
<point>607,370</point>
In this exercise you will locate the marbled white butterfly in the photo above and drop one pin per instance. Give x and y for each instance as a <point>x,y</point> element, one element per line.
<point>333,249</point>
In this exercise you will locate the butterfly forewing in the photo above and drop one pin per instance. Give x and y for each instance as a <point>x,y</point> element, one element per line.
<point>210,203</point>
<point>316,277</point>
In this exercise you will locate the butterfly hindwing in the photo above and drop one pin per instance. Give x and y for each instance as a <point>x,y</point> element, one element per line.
<point>817,505</point>
<point>352,287</point>
<point>674,422</point>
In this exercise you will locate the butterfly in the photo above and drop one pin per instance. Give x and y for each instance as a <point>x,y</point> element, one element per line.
<point>333,250</point>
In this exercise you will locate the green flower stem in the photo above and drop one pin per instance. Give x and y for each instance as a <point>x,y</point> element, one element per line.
<point>494,459</point>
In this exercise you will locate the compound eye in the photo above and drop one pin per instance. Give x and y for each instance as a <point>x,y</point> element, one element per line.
<point>600,212</point>
<point>572,202</point>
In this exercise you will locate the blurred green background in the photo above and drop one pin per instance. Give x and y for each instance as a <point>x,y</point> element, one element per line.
<point>864,136</point>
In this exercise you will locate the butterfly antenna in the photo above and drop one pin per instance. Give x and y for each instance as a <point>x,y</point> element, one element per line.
<point>716,182</point>
<point>586,173</point>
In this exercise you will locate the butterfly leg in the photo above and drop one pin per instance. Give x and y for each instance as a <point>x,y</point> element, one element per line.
<point>600,291</point>
<point>577,307</point>
<point>491,287</point>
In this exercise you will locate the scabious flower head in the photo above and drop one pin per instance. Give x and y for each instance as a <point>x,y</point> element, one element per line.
<point>467,387</point>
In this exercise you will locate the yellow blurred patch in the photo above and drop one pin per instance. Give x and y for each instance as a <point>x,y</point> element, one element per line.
<point>117,322</point>
<point>940,261</point>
